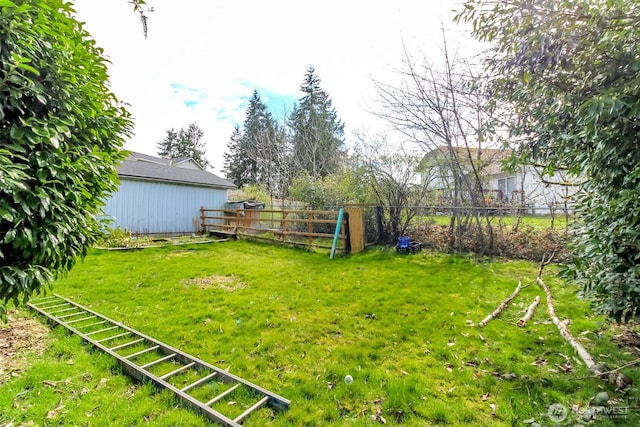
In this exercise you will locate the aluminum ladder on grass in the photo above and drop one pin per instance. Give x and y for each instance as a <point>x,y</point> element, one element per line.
<point>198,384</point>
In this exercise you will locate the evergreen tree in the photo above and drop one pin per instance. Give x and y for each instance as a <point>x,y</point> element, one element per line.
<point>184,143</point>
<point>257,138</point>
<point>253,152</point>
<point>168,147</point>
<point>233,164</point>
<point>318,133</point>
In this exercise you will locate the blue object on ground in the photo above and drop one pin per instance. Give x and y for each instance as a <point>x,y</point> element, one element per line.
<point>404,242</point>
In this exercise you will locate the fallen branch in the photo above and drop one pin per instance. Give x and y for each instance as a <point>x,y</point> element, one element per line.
<point>502,306</point>
<point>620,380</point>
<point>564,331</point>
<point>626,365</point>
<point>529,314</point>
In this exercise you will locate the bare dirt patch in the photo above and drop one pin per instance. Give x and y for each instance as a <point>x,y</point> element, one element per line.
<point>226,283</point>
<point>176,254</point>
<point>19,337</point>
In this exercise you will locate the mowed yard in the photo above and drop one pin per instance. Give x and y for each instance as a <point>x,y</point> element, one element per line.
<point>296,323</point>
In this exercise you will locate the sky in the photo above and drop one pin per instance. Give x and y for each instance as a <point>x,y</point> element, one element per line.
<point>202,59</point>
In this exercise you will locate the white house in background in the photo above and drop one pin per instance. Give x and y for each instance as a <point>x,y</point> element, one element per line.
<point>523,187</point>
<point>164,196</point>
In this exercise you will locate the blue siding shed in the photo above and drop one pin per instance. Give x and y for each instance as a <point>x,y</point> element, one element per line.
<point>157,196</point>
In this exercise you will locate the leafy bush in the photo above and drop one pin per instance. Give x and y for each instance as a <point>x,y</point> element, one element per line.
<point>61,131</point>
<point>567,73</point>
<point>332,191</point>
<point>251,192</point>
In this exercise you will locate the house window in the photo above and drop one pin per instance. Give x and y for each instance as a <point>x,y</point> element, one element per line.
<point>507,186</point>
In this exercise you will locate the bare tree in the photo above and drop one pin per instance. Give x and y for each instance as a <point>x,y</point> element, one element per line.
<point>394,178</point>
<point>442,110</point>
<point>272,160</point>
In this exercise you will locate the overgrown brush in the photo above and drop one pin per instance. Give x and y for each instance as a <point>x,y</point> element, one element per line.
<point>123,238</point>
<point>526,243</point>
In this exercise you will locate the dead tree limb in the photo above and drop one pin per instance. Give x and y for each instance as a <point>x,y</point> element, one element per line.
<point>502,306</point>
<point>626,365</point>
<point>529,314</point>
<point>620,380</point>
<point>562,327</point>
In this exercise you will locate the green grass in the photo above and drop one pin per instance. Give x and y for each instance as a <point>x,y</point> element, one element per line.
<point>534,221</point>
<point>296,323</point>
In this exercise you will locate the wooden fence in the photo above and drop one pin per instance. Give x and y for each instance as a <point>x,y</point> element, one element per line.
<point>310,228</point>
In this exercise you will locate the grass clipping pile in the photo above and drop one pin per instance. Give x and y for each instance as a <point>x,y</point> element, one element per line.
<point>18,338</point>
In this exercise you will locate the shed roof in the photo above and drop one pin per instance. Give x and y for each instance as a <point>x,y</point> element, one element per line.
<point>145,167</point>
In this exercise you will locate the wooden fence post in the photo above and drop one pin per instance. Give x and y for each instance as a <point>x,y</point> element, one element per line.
<point>379,217</point>
<point>310,228</point>
<point>202,218</point>
<point>283,226</point>
<point>355,228</point>
<point>347,233</point>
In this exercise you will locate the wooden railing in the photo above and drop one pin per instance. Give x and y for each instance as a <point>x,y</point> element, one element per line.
<point>298,227</point>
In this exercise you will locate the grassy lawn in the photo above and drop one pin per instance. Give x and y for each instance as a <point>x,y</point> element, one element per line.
<point>297,323</point>
<point>534,221</point>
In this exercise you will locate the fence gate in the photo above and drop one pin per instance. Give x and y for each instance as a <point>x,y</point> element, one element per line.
<point>356,228</point>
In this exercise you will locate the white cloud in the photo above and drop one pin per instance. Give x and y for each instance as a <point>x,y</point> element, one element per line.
<point>202,59</point>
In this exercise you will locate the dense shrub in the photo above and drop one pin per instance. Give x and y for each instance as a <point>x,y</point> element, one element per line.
<point>525,243</point>
<point>61,133</point>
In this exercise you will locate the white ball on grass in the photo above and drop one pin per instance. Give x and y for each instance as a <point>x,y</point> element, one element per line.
<point>348,379</point>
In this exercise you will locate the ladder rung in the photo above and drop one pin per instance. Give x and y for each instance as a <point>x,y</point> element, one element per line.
<point>54,306</point>
<point>177,371</point>
<point>200,381</point>
<point>118,347</point>
<point>146,350</point>
<point>257,405</point>
<point>43,299</point>
<point>114,337</point>
<point>90,324</point>
<point>220,396</point>
<point>71,315</point>
<point>162,359</point>
<point>62,311</point>
<point>83,319</point>
<point>102,330</point>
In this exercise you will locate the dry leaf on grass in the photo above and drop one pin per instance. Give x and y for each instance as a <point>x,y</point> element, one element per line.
<point>493,407</point>
<point>565,367</point>
<point>378,416</point>
<point>54,412</point>
<point>90,412</point>
<point>539,362</point>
